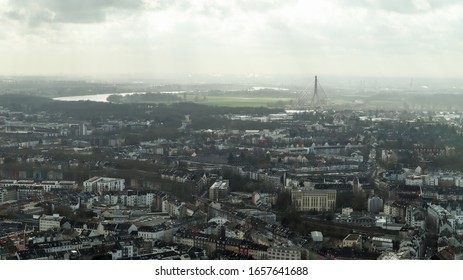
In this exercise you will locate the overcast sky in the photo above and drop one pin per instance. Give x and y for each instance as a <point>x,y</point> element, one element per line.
<point>340,37</point>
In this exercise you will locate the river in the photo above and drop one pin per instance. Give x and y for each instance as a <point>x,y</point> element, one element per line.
<point>102,97</point>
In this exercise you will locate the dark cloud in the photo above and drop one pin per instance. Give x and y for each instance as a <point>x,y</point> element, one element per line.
<point>36,12</point>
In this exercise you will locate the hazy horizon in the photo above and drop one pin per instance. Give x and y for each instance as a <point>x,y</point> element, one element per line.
<point>408,83</point>
<point>255,39</point>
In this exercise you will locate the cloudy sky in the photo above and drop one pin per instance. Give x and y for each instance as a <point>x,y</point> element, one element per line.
<point>404,38</point>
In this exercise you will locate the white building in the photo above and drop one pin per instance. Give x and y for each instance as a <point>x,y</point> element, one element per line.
<point>415,217</point>
<point>265,199</point>
<point>145,199</point>
<point>47,222</point>
<point>104,184</point>
<point>126,250</point>
<point>152,234</point>
<point>161,232</point>
<point>347,211</point>
<point>317,236</point>
<point>375,204</point>
<point>48,186</point>
<point>414,181</point>
<point>174,208</point>
<point>111,199</point>
<point>431,180</point>
<point>284,253</point>
<point>382,244</point>
<point>435,215</point>
<point>219,190</point>
<point>352,240</point>
<point>45,186</point>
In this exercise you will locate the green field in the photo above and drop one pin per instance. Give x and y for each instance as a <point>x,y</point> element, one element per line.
<point>276,102</point>
<point>231,101</point>
<point>239,101</point>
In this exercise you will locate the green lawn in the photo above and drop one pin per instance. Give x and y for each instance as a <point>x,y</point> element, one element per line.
<point>231,101</point>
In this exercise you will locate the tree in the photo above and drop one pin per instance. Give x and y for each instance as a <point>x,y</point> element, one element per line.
<point>231,158</point>
<point>359,202</point>
<point>242,157</point>
<point>10,246</point>
<point>65,211</point>
<point>330,216</point>
<point>344,199</point>
<point>283,201</point>
<point>303,254</point>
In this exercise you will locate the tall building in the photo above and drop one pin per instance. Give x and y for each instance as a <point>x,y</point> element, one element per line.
<point>219,190</point>
<point>375,204</point>
<point>319,200</point>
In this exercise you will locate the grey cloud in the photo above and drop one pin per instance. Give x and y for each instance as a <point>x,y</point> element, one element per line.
<point>40,17</point>
<point>220,8</point>
<point>375,34</point>
<point>37,12</point>
<point>262,5</point>
<point>443,3</point>
<point>14,15</point>
<point>401,6</point>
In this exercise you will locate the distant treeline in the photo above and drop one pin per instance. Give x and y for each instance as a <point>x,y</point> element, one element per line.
<point>149,97</point>
<point>168,115</point>
<point>60,88</point>
<point>253,93</point>
<point>430,101</point>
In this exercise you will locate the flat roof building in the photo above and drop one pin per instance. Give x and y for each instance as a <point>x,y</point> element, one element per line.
<point>47,222</point>
<point>318,200</point>
<point>219,190</point>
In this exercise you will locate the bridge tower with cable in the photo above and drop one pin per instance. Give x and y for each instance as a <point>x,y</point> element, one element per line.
<point>315,98</point>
